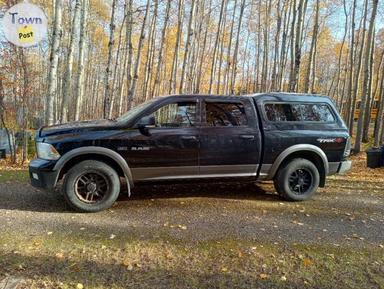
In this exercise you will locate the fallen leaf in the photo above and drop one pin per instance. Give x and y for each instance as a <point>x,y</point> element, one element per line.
<point>307,262</point>
<point>79,286</point>
<point>59,255</point>
<point>224,269</point>
<point>126,262</point>
<point>283,278</point>
<point>264,276</point>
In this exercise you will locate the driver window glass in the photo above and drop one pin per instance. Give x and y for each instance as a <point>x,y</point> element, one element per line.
<point>181,114</point>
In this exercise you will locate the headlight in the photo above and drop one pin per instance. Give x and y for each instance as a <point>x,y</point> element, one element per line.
<point>46,151</point>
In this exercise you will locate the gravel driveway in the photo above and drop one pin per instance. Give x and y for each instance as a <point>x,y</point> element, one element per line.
<point>192,219</point>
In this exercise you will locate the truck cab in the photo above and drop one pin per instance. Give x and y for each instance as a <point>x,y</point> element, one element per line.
<point>296,140</point>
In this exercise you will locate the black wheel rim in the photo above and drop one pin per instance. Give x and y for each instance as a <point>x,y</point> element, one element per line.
<point>91,187</point>
<point>300,181</point>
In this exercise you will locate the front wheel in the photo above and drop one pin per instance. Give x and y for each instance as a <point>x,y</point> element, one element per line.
<point>91,186</point>
<point>297,180</point>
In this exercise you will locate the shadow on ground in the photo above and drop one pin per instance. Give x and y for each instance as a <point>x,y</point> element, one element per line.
<point>24,197</point>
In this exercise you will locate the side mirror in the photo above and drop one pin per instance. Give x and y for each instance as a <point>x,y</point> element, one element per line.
<point>145,123</point>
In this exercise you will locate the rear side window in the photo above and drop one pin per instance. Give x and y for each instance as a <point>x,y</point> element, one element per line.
<point>317,112</point>
<point>225,114</point>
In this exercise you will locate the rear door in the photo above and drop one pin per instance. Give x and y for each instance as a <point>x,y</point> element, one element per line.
<point>230,140</point>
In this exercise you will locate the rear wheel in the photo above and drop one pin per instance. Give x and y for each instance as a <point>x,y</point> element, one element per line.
<point>297,180</point>
<point>91,186</point>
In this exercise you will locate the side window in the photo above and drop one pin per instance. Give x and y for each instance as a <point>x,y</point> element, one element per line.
<point>180,114</point>
<point>316,112</point>
<point>298,112</point>
<point>282,112</point>
<point>225,114</point>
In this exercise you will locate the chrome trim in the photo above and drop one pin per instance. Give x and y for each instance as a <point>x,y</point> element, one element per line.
<point>229,169</point>
<point>344,167</point>
<point>264,171</point>
<point>157,173</point>
<point>191,172</point>
<point>202,176</point>
<point>297,148</point>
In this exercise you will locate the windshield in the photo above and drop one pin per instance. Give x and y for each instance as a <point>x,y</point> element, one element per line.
<point>132,113</point>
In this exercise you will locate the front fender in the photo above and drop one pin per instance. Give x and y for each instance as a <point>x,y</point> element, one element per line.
<point>98,151</point>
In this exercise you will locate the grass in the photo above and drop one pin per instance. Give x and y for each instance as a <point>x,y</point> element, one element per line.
<point>13,176</point>
<point>56,262</point>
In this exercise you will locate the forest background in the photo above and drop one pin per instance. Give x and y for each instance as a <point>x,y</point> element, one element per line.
<point>102,58</point>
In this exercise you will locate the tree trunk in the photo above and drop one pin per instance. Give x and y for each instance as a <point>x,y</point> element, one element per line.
<point>357,71</point>
<point>312,52</point>
<point>80,85</point>
<point>108,71</point>
<point>155,89</point>
<point>379,128</point>
<point>150,53</point>
<point>360,122</point>
<point>54,59</point>
<point>187,45</point>
<point>213,65</point>
<point>370,99</point>
<point>132,89</point>
<point>173,78</point>
<point>351,66</point>
<point>236,51</point>
<point>67,85</point>
<point>129,24</point>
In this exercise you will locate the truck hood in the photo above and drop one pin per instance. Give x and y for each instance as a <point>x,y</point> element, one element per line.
<point>76,126</point>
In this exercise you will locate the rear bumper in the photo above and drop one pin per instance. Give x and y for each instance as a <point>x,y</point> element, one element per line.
<point>41,175</point>
<point>339,167</point>
<point>344,167</point>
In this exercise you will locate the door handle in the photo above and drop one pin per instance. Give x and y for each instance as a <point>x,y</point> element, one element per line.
<point>189,137</point>
<point>247,136</point>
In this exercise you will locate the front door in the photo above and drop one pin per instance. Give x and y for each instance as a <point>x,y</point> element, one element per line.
<point>170,149</point>
<point>230,141</point>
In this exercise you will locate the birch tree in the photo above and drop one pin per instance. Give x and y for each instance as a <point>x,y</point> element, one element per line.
<point>67,85</point>
<point>53,59</point>
<point>132,88</point>
<point>80,84</point>
<point>108,71</point>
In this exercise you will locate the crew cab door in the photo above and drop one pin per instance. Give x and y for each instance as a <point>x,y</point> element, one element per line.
<point>168,149</point>
<point>230,140</point>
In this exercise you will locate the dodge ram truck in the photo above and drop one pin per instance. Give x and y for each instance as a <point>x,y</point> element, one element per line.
<point>295,140</point>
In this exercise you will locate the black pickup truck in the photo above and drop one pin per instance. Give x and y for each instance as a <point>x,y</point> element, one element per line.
<point>296,140</point>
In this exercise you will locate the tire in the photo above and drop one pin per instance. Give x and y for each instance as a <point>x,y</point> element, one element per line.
<point>297,180</point>
<point>91,186</point>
